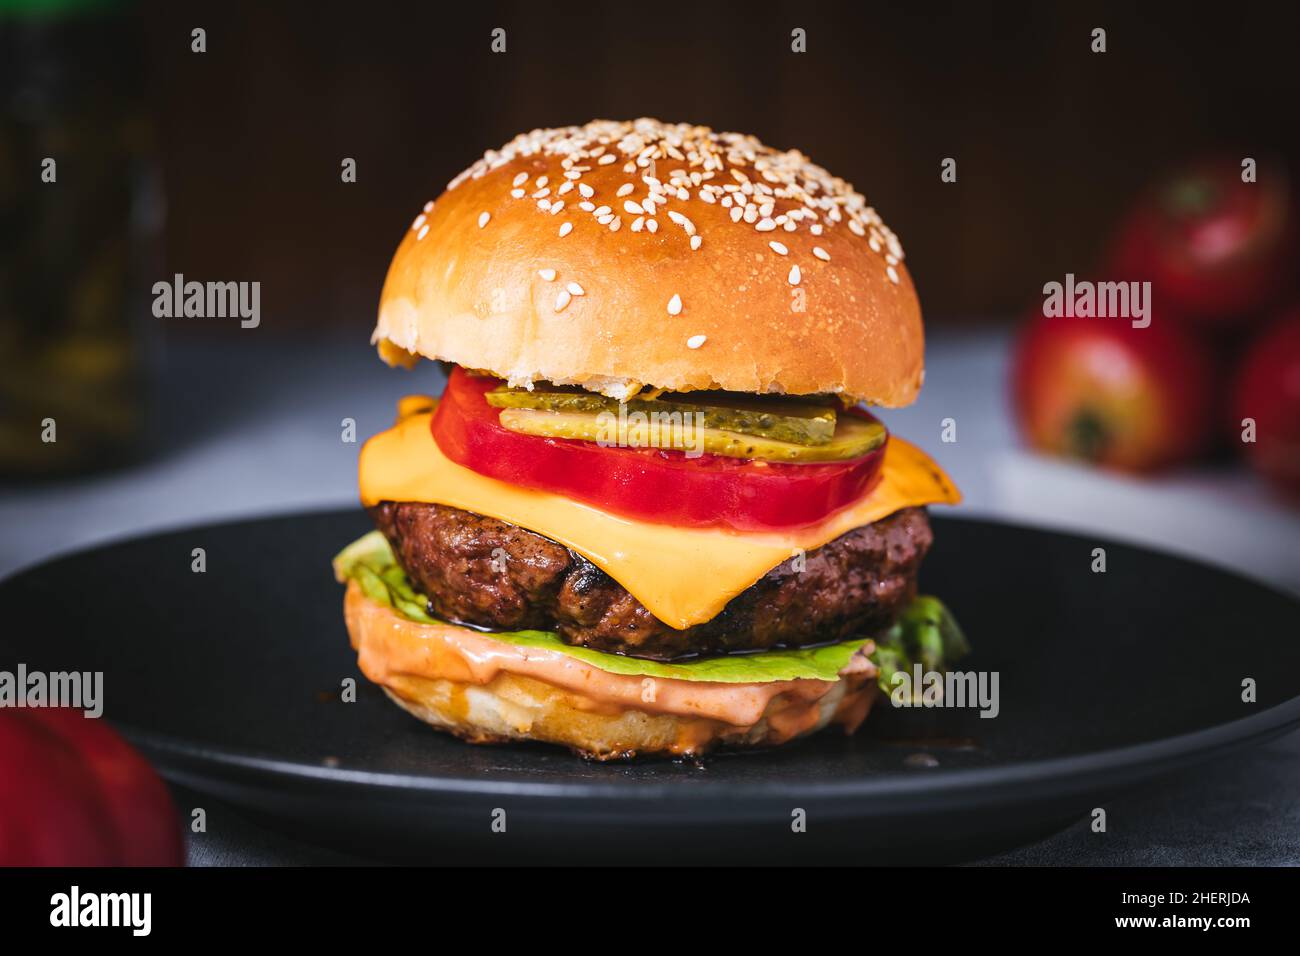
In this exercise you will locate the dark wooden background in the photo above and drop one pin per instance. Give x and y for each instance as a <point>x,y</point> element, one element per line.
<point>1051,140</point>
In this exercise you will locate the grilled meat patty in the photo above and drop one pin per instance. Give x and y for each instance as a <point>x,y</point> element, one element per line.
<point>487,573</point>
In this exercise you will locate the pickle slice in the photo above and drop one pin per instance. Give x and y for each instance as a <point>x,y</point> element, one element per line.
<point>778,418</point>
<point>853,436</point>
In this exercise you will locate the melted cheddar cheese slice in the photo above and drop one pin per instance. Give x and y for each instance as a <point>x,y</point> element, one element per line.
<point>683,576</point>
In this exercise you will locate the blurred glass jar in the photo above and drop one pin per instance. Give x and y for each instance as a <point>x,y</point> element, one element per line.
<point>78,236</point>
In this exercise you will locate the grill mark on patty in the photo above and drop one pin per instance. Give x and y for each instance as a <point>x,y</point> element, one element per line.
<point>856,584</point>
<point>585,577</point>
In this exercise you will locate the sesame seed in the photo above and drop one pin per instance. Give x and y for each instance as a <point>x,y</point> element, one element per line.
<point>702,152</point>
<point>815,229</point>
<point>428,207</point>
<point>856,228</point>
<point>542,192</point>
<point>565,229</point>
<point>424,231</point>
<point>625,189</point>
<point>602,211</point>
<point>675,305</point>
<point>586,206</point>
<point>695,242</point>
<point>778,247</point>
<point>516,194</point>
<point>419,221</point>
<point>616,224</point>
<point>821,254</point>
<point>483,218</point>
<point>652,225</point>
<point>765,225</point>
<point>637,223</point>
<point>575,289</point>
<point>544,204</point>
<point>520,179</point>
<point>633,207</point>
<point>695,341</point>
<point>547,274</point>
<point>682,221</point>
<point>557,206</point>
<point>892,273</point>
<point>795,275</point>
<point>562,300</point>
<point>541,181</point>
<point>565,187</point>
<point>587,191</point>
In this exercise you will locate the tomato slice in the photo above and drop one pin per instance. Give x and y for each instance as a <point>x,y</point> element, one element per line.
<point>649,484</point>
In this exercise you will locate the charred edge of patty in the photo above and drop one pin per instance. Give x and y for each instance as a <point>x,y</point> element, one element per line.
<point>493,575</point>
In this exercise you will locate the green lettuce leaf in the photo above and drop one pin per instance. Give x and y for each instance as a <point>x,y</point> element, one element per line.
<point>925,633</point>
<point>925,627</point>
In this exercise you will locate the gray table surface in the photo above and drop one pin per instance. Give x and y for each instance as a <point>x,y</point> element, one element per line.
<point>249,425</point>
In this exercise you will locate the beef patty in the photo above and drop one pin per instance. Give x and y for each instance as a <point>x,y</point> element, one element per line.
<point>487,573</point>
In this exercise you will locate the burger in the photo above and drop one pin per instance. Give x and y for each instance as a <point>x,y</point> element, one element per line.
<point>650,512</point>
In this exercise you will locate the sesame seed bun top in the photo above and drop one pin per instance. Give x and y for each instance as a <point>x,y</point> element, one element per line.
<point>624,254</point>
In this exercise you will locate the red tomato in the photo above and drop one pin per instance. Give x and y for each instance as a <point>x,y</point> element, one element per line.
<point>1215,249</point>
<point>1101,390</point>
<point>1268,390</point>
<point>645,483</point>
<point>73,793</point>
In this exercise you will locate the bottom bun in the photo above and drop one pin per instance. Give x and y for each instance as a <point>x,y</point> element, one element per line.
<point>488,691</point>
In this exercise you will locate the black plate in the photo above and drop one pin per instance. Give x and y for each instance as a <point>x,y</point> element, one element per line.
<point>230,681</point>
